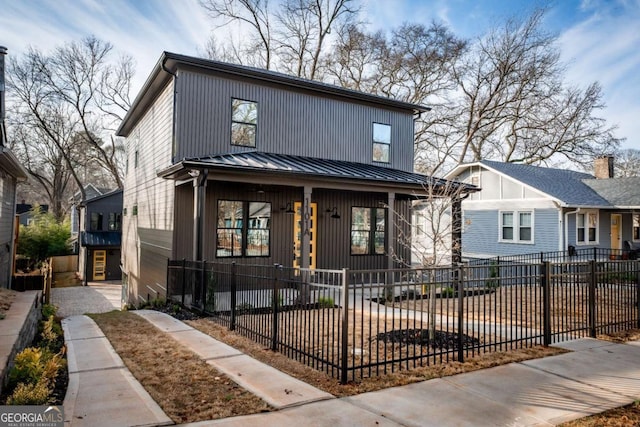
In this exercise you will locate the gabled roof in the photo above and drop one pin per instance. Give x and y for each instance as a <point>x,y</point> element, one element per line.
<point>170,62</point>
<point>101,238</point>
<point>102,196</point>
<point>565,186</point>
<point>619,192</point>
<point>304,166</point>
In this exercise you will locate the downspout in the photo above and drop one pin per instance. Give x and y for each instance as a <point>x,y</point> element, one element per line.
<point>174,147</point>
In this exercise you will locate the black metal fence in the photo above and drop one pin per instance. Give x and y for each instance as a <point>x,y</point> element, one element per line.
<point>572,254</point>
<point>357,324</point>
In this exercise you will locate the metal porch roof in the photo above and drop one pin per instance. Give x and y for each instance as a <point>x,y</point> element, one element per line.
<point>101,238</point>
<point>298,165</point>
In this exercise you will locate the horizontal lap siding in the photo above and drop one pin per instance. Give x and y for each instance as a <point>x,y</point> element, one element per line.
<point>481,233</point>
<point>147,237</point>
<point>289,122</point>
<point>7,211</point>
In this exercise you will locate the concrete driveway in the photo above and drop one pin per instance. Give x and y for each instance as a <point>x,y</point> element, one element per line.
<point>97,297</point>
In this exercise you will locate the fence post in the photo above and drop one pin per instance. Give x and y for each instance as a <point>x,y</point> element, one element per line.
<point>459,279</point>
<point>203,277</point>
<point>546,302</point>
<point>595,253</point>
<point>184,264</point>
<point>167,279</point>
<point>592,299</point>
<point>344,342</point>
<point>274,309</point>
<point>232,325</point>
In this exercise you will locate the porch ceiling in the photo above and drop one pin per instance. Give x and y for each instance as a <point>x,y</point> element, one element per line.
<point>305,167</point>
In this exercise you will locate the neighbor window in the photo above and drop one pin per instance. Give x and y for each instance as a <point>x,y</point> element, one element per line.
<point>244,121</point>
<point>516,227</point>
<point>115,220</point>
<point>368,231</point>
<point>96,221</point>
<point>381,142</point>
<point>243,229</point>
<point>636,226</point>
<point>587,228</point>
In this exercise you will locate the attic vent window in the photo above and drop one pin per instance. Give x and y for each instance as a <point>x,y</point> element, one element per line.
<point>244,122</point>
<point>381,142</point>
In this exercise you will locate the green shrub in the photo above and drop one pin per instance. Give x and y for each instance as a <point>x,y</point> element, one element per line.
<point>326,302</point>
<point>30,394</point>
<point>448,292</point>
<point>493,282</point>
<point>51,335</point>
<point>33,365</point>
<point>49,310</point>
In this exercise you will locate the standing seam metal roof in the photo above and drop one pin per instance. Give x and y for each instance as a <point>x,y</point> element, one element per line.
<point>312,166</point>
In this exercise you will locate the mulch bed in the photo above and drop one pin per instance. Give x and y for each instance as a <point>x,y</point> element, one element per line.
<point>442,340</point>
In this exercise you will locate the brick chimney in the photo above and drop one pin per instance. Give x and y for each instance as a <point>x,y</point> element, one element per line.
<point>603,167</point>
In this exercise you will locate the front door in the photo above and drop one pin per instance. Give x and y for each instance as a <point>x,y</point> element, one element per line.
<point>99,264</point>
<point>304,223</point>
<point>616,231</point>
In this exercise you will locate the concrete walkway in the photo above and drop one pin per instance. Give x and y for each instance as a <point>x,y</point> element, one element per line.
<point>595,377</point>
<point>102,391</point>
<point>98,297</point>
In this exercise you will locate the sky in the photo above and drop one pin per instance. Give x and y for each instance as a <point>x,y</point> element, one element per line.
<point>599,39</point>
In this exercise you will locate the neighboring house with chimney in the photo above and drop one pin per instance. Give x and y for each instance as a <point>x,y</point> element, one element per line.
<point>11,172</point>
<point>525,209</point>
<point>229,163</point>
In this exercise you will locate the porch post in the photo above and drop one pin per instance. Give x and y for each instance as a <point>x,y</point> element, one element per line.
<point>391,249</point>
<point>456,229</point>
<point>199,205</point>
<point>306,227</point>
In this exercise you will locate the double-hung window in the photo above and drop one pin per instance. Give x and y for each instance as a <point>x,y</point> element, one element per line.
<point>243,229</point>
<point>587,228</point>
<point>244,122</point>
<point>636,226</point>
<point>516,226</point>
<point>368,231</point>
<point>381,142</point>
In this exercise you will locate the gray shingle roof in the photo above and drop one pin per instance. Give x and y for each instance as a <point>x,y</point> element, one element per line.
<point>618,191</point>
<point>565,185</point>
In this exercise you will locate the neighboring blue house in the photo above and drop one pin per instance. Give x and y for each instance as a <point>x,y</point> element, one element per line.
<point>525,209</point>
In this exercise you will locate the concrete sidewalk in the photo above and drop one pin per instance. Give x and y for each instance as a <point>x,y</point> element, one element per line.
<point>594,377</point>
<point>102,391</point>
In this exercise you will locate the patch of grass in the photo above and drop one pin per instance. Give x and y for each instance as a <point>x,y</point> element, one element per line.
<point>186,388</point>
<point>622,336</point>
<point>326,302</point>
<point>324,382</point>
<point>618,417</point>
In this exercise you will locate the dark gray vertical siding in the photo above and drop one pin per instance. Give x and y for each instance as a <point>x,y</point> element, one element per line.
<point>183,229</point>
<point>7,212</point>
<point>289,122</point>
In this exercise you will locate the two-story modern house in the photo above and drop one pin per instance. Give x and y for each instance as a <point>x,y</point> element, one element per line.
<point>100,232</point>
<point>230,163</point>
<point>526,209</point>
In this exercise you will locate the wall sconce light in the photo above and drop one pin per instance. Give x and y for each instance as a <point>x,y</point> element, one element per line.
<point>288,209</point>
<point>335,214</point>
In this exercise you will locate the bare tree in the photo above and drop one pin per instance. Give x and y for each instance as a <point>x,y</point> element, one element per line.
<point>432,234</point>
<point>515,106</point>
<point>291,38</point>
<point>71,101</point>
<point>627,163</point>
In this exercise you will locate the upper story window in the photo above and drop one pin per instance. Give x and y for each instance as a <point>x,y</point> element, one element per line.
<point>244,121</point>
<point>381,142</point>
<point>516,226</point>
<point>587,228</point>
<point>636,226</point>
<point>96,221</point>
<point>368,231</point>
<point>115,221</point>
<point>244,229</point>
